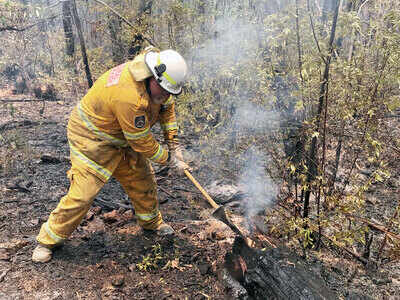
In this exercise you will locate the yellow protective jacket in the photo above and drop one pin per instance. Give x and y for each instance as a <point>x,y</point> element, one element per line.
<point>117,113</point>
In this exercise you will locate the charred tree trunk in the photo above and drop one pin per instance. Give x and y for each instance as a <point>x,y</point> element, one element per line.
<point>145,7</point>
<point>136,46</point>
<point>337,161</point>
<point>68,33</point>
<point>312,158</point>
<point>114,24</point>
<point>290,121</point>
<point>274,274</point>
<point>117,48</point>
<point>82,42</point>
<point>137,43</point>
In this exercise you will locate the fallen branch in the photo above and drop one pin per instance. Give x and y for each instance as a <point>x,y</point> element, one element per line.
<point>162,170</point>
<point>111,204</point>
<point>168,193</point>
<point>375,226</point>
<point>24,123</point>
<point>18,188</point>
<point>354,254</point>
<point>10,28</point>
<point>13,28</point>
<point>27,100</point>
<point>10,201</point>
<point>4,274</point>
<point>125,20</point>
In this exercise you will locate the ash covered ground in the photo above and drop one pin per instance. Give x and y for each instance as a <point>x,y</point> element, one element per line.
<point>109,256</point>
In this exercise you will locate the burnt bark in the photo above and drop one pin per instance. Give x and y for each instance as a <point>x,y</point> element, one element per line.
<point>312,163</point>
<point>290,121</point>
<point>137,43</point>
<point>135,46</point>
<point>117,47</point>
<point>274,274</point>
<point>68,33</point>
<point>145,6</point>
<point>82,42</point>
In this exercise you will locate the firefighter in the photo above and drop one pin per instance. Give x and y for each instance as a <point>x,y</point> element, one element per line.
<point>109,134</point>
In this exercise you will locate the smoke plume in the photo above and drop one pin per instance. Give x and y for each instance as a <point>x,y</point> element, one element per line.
<point>254,117</point>
<point>233,49</point>
<point>256,184</point>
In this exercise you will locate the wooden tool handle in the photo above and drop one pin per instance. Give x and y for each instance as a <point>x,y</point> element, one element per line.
<point>205,194</point>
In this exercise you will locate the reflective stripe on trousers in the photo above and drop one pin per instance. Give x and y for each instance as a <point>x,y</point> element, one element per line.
<point>136,177</point>
<point>103,172</point>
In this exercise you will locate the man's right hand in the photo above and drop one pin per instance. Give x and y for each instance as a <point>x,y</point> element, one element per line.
<point>176,162</point>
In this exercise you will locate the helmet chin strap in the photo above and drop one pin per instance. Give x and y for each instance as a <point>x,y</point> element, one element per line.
<point>148,89</point>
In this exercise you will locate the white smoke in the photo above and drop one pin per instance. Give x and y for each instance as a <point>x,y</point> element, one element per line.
<point>258,187</point>
<point>232,49</point>
<point>254,117</point>
<point>231,42</point>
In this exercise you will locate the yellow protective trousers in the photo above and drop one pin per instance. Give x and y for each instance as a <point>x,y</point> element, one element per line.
<point>136,176</point>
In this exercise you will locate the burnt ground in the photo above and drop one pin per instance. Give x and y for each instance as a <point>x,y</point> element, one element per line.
<point>109,256</point>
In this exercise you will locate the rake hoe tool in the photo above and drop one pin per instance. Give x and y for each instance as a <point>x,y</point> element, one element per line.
<point>220,212</point>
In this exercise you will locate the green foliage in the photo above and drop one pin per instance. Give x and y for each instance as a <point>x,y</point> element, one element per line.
<point>239,54</point>
<point>99,64</point>
<point>12,14</point>
<point>151,260</point>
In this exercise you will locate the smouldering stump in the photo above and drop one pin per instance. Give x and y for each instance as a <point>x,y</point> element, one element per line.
<point>274,274</point>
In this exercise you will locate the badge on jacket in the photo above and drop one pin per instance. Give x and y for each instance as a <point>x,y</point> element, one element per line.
<point>140,121</point>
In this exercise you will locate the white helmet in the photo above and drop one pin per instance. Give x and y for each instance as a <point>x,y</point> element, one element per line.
<point>169,69</point>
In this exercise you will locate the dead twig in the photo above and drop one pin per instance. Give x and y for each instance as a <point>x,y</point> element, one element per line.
<point>9,201</point>
<point>4,274</point>
<point>148,39</point>
<point>162,170</point>
<point>13,28</point>
<point>385,238</point>
<point>18,188</point>
<point>375,226</point>
<point>27,100</point>
<point>25,123</point>
<point>167,192</point>
<point>354,254</point>
<point>186,190</point>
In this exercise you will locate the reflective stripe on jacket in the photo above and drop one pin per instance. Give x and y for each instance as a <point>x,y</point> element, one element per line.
<point>117,113</point>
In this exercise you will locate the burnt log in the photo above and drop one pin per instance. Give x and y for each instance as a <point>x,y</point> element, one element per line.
<point>45,92</point>
<point>274,274</point>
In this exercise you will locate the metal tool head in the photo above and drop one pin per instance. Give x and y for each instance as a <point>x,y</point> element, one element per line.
<point>221,215</point>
